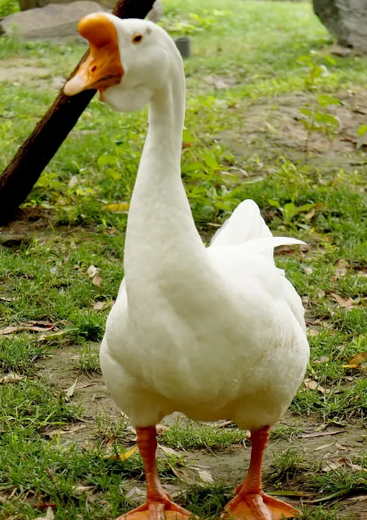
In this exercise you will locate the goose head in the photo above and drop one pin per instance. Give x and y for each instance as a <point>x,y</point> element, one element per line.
<point>129,61</point>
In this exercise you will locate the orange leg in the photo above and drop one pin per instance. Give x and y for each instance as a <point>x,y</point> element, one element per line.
<point>251,503</point>
<point>158,505</point>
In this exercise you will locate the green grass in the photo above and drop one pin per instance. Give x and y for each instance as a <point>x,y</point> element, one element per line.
<point>240,142</point>
<point>186,435</point>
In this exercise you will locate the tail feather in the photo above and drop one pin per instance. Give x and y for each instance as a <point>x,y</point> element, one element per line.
<point>245,224</point>
<point>247,227</point>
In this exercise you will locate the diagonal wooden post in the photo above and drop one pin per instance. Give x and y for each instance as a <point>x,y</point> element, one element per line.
<point>18,179</point>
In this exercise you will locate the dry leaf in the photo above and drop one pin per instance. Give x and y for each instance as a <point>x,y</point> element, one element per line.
<point>49,515</point>
<point>122,207</point>
<point>127,454</point>
<point>11,378</point>
<point>187,475</point>
<point>99,306</point>
<point>324,446</point>
<point>314,385</point>
<point>70,391</point>
<point>358,359</point>
<point>307,270</point>
<point>313,332</point>
<point>135,493</point>
<point>160,428</point>
<point>361,498</point>
<point>92,271</point>
<point>323,359</point>
<point>340,270</point>
<point>82,489</point>
<point>333,465</point>
<point>21,328</point>
<point>205,476</point>
<point>342,462</point>
<point>52,433</point>
<point>224,424</point>
<point>168,451</point>
<point>7,299</point>
<point>97,280</point>
<point>320,434</point>
<point>343,302</point>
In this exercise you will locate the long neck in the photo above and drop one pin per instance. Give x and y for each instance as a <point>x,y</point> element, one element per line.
<point>161,231</point>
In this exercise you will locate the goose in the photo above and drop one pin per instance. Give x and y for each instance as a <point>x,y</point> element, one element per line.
<point>212,332</point>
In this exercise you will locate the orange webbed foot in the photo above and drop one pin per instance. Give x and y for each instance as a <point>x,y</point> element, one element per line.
<point>248,506</point>
<point>162,509</point>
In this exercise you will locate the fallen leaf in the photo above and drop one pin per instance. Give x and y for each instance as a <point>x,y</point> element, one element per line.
<point>97,280</point>
<point>187,475</point>
<point>82,489</point>
<point>127,454</point>
<point>324,446</point>
<point>122,207</point>
<point>361,498</point>
<point>320,293</point>
<point>224,424</point>
<point>320,434</point>
<point>92,271</point>
<point>11,378</point>
<point>70,391</point>
<point>358,359</point>
<point>342,462</point>
<point>99,306</point>
<point>10,330</point>
<point>53,433</point>
<point>323,359</point>
<point>307,270</point>
<point>340,270</point>
<point>313,332</point>
<point>49,515</point>
<point>314,385</point>
<point>333,465</point>
<point>51,473</point>
<point>160,428</point>
<point>3,299</point>
<point>168,451</point>
<point>343,302</point>
<point>135,493</point>
<point>205,476</point>
<point>21,328</point>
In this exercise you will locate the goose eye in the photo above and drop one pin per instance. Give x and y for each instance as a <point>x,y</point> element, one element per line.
<point>137,38</point>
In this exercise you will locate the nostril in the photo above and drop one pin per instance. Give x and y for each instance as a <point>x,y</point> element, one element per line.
<point>94,68</point>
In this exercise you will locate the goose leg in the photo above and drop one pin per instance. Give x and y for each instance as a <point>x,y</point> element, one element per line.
<point>158,505</point>
<point>250,503</point>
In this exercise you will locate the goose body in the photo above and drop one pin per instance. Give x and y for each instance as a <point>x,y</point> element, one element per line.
<point>222,338</point>
<point>214,333</point>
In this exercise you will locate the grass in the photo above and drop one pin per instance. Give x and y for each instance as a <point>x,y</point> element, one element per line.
<point>255,67</point>
<point>192,435</point>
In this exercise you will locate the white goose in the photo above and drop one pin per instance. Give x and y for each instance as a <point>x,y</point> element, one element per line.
<point>215,333</point>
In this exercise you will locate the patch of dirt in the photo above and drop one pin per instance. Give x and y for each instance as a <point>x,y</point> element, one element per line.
<point>228,466</point>
<point>29,220</point>
<point>273,127</point>
<point>62,370</point>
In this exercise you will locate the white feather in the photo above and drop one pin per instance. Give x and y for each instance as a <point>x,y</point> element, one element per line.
<point>215,333</point>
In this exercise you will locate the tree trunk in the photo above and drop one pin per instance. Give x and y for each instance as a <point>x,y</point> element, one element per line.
<point>345,19</point>
<point>24,170</point>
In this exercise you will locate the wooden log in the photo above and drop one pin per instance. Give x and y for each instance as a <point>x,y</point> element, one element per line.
<point>18,179</point>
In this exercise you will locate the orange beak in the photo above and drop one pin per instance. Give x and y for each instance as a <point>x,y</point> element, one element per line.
<point>102,68</point>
